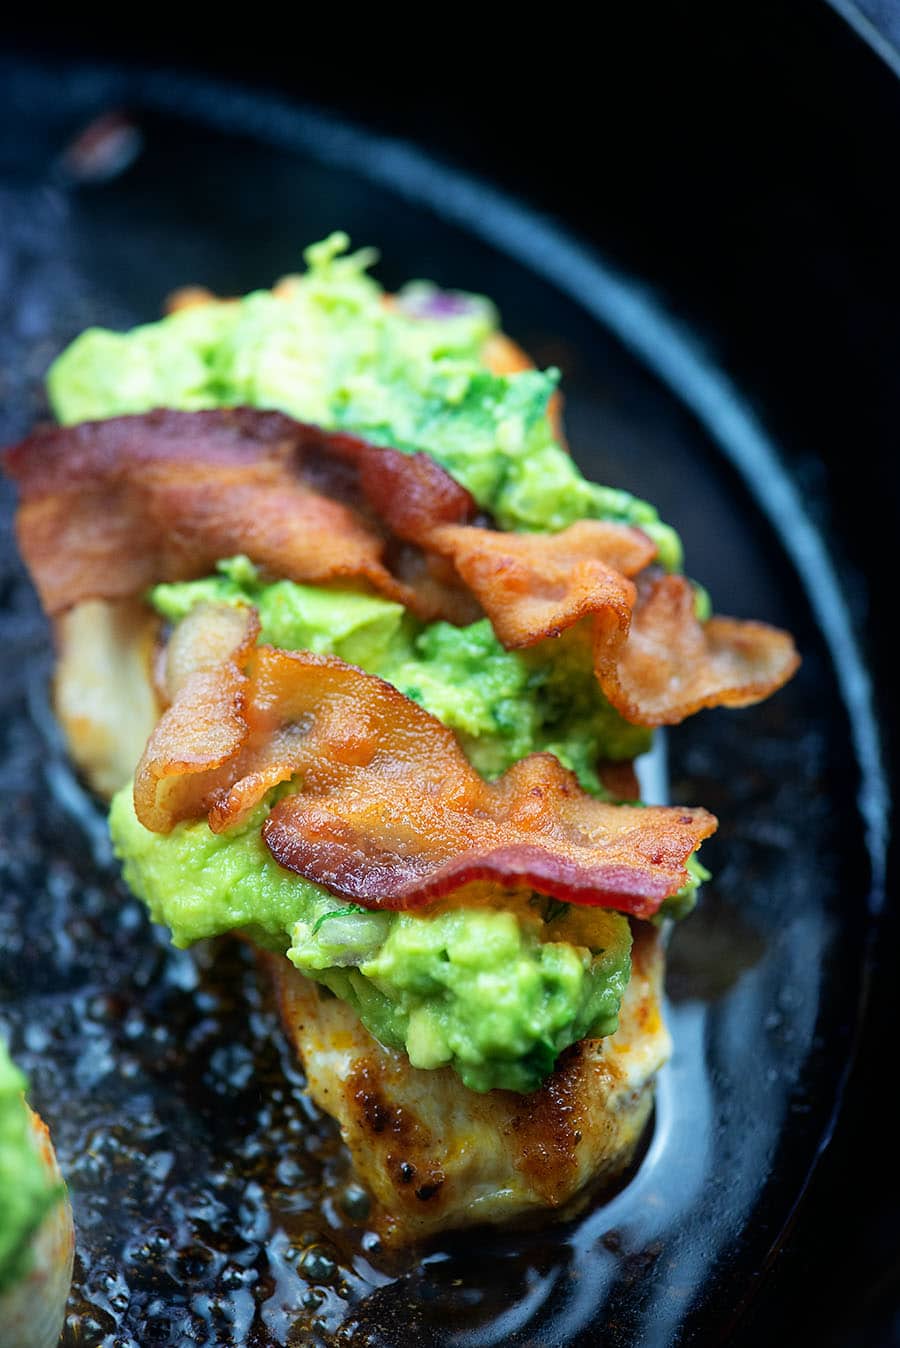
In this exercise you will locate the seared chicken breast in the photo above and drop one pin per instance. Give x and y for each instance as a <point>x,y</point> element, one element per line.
<point>495,631</point>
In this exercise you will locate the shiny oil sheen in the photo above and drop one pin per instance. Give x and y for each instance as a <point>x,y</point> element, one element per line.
<point>212,1205</point>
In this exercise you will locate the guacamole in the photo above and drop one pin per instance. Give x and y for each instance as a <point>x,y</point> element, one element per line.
<point>502,704</point>
<point>27,1191</point>
<point>493,989</point>
<point>326,348</point>
<point>495,992</point>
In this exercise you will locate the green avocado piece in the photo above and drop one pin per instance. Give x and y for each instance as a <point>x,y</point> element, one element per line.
<point>27,1191</point>
<point>482,990</point>
<point>360,628</point>
<point>199,883</point>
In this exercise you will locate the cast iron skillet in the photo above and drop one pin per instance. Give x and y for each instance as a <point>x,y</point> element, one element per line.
<point>213,1206</point>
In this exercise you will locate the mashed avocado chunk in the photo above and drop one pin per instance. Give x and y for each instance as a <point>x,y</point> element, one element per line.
<point>502,704</point>
<point>199,883</point>
<point>27,1191</point>
<point>327,348</point>
<point>496,992</point>
<point>484,990</point>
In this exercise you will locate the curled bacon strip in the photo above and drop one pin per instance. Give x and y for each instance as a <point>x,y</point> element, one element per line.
<point>655,661</point>
<point>534,586</point>
<point>109,508</point>
<point>672,665</point>
<point>388,810</point>
<point>205,726</point>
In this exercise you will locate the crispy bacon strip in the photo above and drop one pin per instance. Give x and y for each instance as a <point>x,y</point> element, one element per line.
<point>388,810</point>
<point>205,726</point>
<point>109,508</point>
<point>654,660</point>
<point>390,848</point>
<point>672,665</point>
<point>534,586</point>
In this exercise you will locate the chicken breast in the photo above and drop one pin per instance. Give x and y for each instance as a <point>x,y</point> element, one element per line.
<point>436,1155</point>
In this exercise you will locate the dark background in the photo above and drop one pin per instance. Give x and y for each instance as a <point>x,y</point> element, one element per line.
<point>742,159</point>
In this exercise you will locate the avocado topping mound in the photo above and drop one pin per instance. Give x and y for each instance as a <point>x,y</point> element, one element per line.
<point>502,704</point>
<point>491,988</point>
<point>495,985</point>
<point>328,349</point>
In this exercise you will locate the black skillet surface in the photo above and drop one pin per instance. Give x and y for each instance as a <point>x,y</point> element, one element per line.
<point>196,1169</point>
